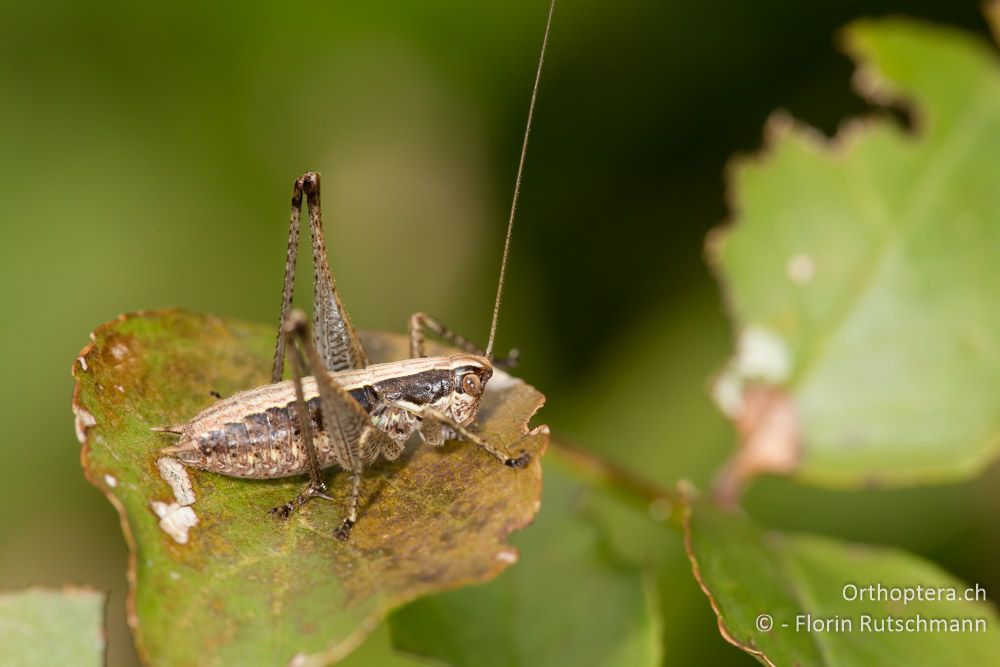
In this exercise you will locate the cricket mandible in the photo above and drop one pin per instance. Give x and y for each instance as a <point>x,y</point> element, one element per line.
<point>348,413</point>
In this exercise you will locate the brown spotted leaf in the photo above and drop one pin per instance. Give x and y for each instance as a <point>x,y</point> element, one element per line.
<point>215,579</point>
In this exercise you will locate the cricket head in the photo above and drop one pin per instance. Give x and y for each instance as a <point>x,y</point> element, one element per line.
<point>469,375</point>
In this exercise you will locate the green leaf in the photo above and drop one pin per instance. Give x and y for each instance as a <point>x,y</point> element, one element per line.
<point>861,273</point>
<point>240,586</point>
<point>651,535</point>
<point>42,627</point>
<point>799,580</point>
<point>377,651</point>
<point>567,602</point>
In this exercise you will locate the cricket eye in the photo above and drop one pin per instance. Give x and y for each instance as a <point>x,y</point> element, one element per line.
<point>471,384</point>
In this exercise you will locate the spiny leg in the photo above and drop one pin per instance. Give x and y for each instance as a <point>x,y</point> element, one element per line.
<point>421,321</point>
<point>316,487</point>
<point>335,335</point>
<point>291,256</point>
<point>348,425</point>
<point>344,530</point>
<point>519,461</point>
<point>338,343</point>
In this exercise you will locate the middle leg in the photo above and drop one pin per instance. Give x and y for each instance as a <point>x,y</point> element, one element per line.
<point>421,321</point>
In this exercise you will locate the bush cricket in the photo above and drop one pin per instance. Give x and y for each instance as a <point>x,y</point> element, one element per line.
<point>347,413</point>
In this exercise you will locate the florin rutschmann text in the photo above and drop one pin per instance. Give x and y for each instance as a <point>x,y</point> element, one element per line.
<point>874,596</point>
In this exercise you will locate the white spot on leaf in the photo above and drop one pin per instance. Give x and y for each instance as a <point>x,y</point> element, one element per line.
<point>110,480</point>
<point>800,268</point>
<point>761,354</point>
<point>175,520</point>
<point>119,351</point>
<point>507,556</point>
<point>175,474</point>
<point>83,363</point>
<point>84,420</point>
<point>728,393</point>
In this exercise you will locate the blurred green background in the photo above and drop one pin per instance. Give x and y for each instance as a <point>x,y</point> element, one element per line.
<point>147,155</point>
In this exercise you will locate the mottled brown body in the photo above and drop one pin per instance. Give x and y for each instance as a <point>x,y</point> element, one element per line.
<point>256,433</point>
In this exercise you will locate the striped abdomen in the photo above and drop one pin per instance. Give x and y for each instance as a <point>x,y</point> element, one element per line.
<point>261,445</point>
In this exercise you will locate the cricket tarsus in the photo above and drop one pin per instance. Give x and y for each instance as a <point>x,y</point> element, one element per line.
<point>519,461</point>
<point>344,530</point>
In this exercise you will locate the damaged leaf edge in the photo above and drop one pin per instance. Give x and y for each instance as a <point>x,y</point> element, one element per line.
<point>870,85</point>
<point>84,422</point>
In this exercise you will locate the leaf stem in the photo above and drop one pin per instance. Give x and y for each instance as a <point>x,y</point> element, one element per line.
<point>663,504</point>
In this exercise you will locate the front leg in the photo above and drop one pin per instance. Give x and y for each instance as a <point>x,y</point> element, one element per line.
<point>432,432</point>
<point>519,461</point>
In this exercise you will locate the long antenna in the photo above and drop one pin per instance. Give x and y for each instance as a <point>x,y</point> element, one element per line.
<point>517,183</point>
